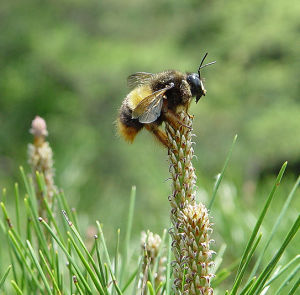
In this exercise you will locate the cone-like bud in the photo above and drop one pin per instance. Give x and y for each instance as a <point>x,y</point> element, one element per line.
<point>195,255</point>
<point>40,158</point>
<point>180,155</point>
<point>151,244</point>
<point>191,228</point>
<point>38,127</point>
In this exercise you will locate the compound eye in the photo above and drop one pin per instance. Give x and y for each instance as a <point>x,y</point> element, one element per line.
<point>194,82</point>
<point>192,79</point>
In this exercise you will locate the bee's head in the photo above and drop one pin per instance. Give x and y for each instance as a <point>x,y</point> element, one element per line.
<point>195,81</point>
<point>196,84</point>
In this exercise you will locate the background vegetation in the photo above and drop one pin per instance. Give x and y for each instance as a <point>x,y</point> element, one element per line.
<point>67,61</point>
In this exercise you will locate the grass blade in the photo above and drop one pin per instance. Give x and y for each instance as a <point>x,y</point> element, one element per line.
<point>117,257</point>
<point>130,280</point>
<point>25,180</point>
<point>128,233</point>
<point>70,258</point>
<point>219,258</point>
<point>65,206</point>
<point>69,265</point>
<point>49,272</point>
<point>34,218</point>
<point>150,288</point>
<point>242,272</point>
<point>2,281</point>
<point>77,285</point>
<point>39,268</point>
<point>220,176</point>
<point>42,185</point>
<point>24,260</point>
<point>158,288</point>
<point>288,279</point>
<point>137,277</point>
<point>16,287</point>
<point>17,199</point>
<point>278,220</point>
<point>248,286</point>
<point>295,287</point>
<point>224,273</point>
<point>90,258</point>
<point>168,278</point>
<point>258,224</point>
<point>103,280</point>
<point>269,268</point>
<point>276,276</point>
<point>115,282</point>
<point>159,253</point>
<point>107,258</point>
<point>86,265</point>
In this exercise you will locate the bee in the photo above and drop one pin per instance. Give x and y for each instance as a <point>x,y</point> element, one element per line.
<point>156,98</point>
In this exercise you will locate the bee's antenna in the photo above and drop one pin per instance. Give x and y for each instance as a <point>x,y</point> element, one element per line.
<point>203,66</point>
<point>210,63</point>
<point>204,57</point>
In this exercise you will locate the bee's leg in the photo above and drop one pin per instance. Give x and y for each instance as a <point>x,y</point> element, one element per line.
<point>187,111</point>
<point>174,120</point>
<point>158,133</point>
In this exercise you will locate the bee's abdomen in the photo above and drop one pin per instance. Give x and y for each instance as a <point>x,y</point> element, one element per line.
<point>127,126</point>
<point>126,118</point>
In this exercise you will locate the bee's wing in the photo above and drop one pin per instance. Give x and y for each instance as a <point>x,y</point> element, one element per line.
<point>139,78</point>
<point>149,109</point>
<point>152,113</point>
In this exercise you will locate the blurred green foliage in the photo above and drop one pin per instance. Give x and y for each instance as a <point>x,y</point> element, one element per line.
<point>67,61</point>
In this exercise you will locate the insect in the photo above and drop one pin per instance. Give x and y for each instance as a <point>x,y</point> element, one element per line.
<point>156,98</point>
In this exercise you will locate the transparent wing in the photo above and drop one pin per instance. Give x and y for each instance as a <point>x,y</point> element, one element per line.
<point>149,109</point>
<point>152,114</point>
<point>139,78</point>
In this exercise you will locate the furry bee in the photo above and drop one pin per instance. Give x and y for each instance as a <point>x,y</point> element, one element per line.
<point>156,98</point>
